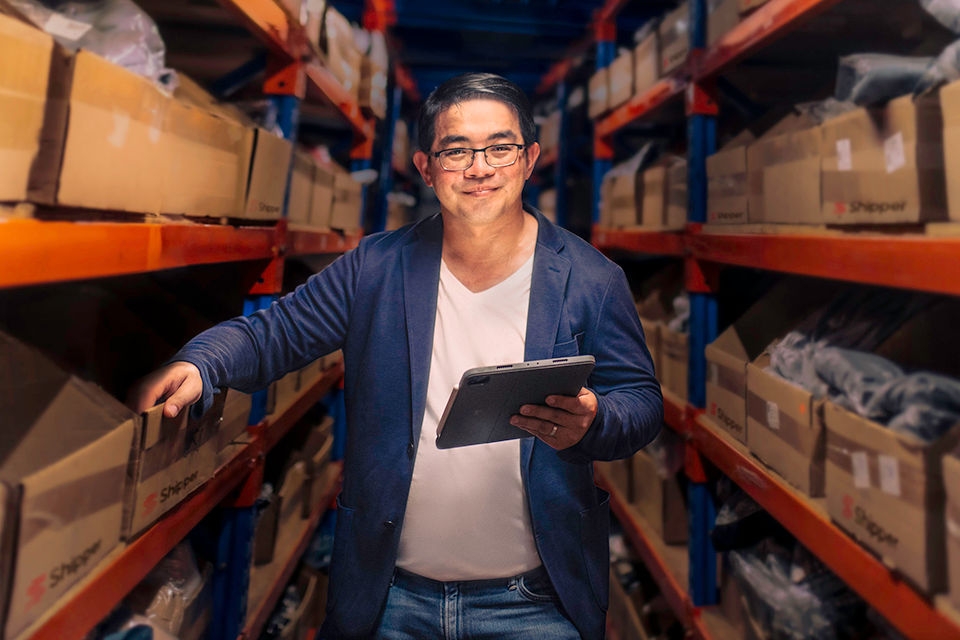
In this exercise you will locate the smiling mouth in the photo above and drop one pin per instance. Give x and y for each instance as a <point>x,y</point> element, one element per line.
<point>481,192</point>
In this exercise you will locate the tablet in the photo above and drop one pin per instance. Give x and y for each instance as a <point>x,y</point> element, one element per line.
<point>480,407</point>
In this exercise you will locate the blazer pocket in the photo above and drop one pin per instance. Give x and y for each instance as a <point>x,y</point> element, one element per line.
<point>568,348</point>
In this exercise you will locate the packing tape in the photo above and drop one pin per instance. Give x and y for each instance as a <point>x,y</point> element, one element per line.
<point>882,472</point>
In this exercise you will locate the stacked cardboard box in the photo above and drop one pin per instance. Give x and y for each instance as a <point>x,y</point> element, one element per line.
<point>722,16</point>
<point>660,497</point>
<point>620,79</point>
<point>646,64</point>
<point>598,93</point>
<point>65,450</point>
<point>343,59</point>
<point>373,77</point>
<point>674,38</point>
<point>950,104</point>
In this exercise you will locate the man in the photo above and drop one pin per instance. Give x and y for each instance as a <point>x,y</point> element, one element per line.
<point>505,540</point>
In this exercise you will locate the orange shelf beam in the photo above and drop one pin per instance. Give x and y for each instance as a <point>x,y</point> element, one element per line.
<point>266,20</point>
<point>914,616</point>
<point>666,243</point>
<point>37,252</point>
<point>323,85</point>
<point>639,106</point>
<point>302,242</point>
<point>766,24</point>
<point>920,263</point>
<point>674,592</point>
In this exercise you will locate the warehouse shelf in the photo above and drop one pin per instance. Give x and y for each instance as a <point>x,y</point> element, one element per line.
<point>768,23</point>
<point>286,38</point>
<point>268,582</point>
<point>91,600</point>
<point>917,262</point>
<point>665,90</point>
<point>668,564</point>
<point>665,243</point>
<point>310,241</point>
<point>807,520</point>
<point>40,251</point>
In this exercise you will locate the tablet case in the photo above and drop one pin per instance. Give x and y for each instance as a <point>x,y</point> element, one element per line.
<point>479,408</point>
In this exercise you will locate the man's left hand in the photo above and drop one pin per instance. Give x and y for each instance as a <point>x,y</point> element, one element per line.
<point>562,422</point>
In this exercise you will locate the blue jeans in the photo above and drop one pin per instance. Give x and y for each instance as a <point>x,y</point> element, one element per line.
<point>523,607</point>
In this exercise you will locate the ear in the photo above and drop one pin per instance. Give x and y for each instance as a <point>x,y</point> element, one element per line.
<point>532,152</point>
<point>422,162</point>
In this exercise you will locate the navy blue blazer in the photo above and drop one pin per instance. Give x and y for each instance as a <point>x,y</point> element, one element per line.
<point>378,303</point>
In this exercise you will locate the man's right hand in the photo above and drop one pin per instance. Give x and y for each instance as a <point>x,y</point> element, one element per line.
<point>178,383</point>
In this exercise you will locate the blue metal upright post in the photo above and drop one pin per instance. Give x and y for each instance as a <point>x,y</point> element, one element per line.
<point>700,284</point>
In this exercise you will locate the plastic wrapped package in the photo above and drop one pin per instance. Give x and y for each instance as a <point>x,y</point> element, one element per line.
<point>867,79</point>
<point>681,321</point>
<point>925,405</point>
<point>174,598</point>
<point>853,377</point>
<point>943,70</point>
<point>791,595</point>
<point>117,30</point>
<point>667,451</point>
<point>947,12</point>
<point>742,523</point>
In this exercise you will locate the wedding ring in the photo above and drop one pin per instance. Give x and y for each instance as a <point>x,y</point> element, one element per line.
<point>554,432</point>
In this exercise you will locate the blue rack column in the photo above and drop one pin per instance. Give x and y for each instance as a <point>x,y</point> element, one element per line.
<point>701,285</point>
<point>605,34</point>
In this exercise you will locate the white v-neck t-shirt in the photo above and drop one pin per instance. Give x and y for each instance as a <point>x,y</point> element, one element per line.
<point>467,516</point>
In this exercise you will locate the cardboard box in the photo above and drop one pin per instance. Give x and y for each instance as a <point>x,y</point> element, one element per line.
<point>651,333</point>
<point>206,171</point>
<point>885,165</point>
<point>321,203</point>
<point>173,458</point>
<point>622,197</point>
<point>676,196</point>
<point>268,158</point>
<point>373,77</point>
<point>785,428</point>
<point>727,191</point>
<point>749,5</point>
<point>116,154</point>
<point>598,93</point>
<point>621,79</point>
<point>722,16</point>
<point>784,178</point>
<point>347,210</point>
<point>233,428</point>
<point>653,207</point>
<point>65,447</point>
<point>674,34</point>
<point>547,203</point>
<point>265,531</point>
<point>950,102</point>
<point>343,57</point>
<point>886,490</point>
<point>660,500</point>
<point>317,471</point>
<point>402,154</point>
<point>285,391</point>
<point>674,361</point>
<point>646,64</point>
<point>550,131</point>
<point>293,493</point>
<point>622,615</point>
<point>618,473</point>
<point>301,188</point>
<point>771,317</point>
<point>33,85</point>
<point>951,482</point>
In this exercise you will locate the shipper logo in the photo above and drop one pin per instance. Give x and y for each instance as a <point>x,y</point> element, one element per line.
<point>859,206</point>
<point>861,518</point>
<point>39,586</point>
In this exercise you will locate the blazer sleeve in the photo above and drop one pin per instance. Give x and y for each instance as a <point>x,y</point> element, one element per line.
<point>249,352</point>
<point>630,404</point>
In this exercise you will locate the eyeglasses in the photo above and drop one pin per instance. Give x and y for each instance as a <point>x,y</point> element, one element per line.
<point>496,155</point>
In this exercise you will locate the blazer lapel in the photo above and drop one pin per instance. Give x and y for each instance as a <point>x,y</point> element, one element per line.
<point>421,277</point>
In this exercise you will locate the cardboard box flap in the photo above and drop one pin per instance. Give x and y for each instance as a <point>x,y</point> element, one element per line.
<point>48,414</point>
<point>157,427</point>
<point>928,340</point>
<point>781,309</point>
<point>950,104</point>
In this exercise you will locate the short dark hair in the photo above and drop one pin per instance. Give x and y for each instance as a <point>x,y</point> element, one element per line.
<point>474,86</point>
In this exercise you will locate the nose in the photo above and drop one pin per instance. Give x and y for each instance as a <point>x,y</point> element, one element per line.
<point>479,167</point>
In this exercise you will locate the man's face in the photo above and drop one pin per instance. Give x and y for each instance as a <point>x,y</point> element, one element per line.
<point>481,193</point>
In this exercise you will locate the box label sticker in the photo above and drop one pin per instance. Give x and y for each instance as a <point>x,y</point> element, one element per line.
<point>773,416</point>
<point>861,469</point>
<point>844,155</point>
<point>889,475</point>
<point>893,154</point>
<point>60,26</point>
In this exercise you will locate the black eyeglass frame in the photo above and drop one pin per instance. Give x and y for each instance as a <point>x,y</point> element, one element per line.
<point>473,158</point>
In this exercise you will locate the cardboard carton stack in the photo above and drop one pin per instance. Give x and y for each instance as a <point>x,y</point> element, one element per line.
<point>620,79</point>
<point>658,490</point>
<point>674,38</point>
<point>646,63</point>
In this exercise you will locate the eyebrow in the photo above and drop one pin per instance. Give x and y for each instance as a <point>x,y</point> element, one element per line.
<point>445,141</point>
